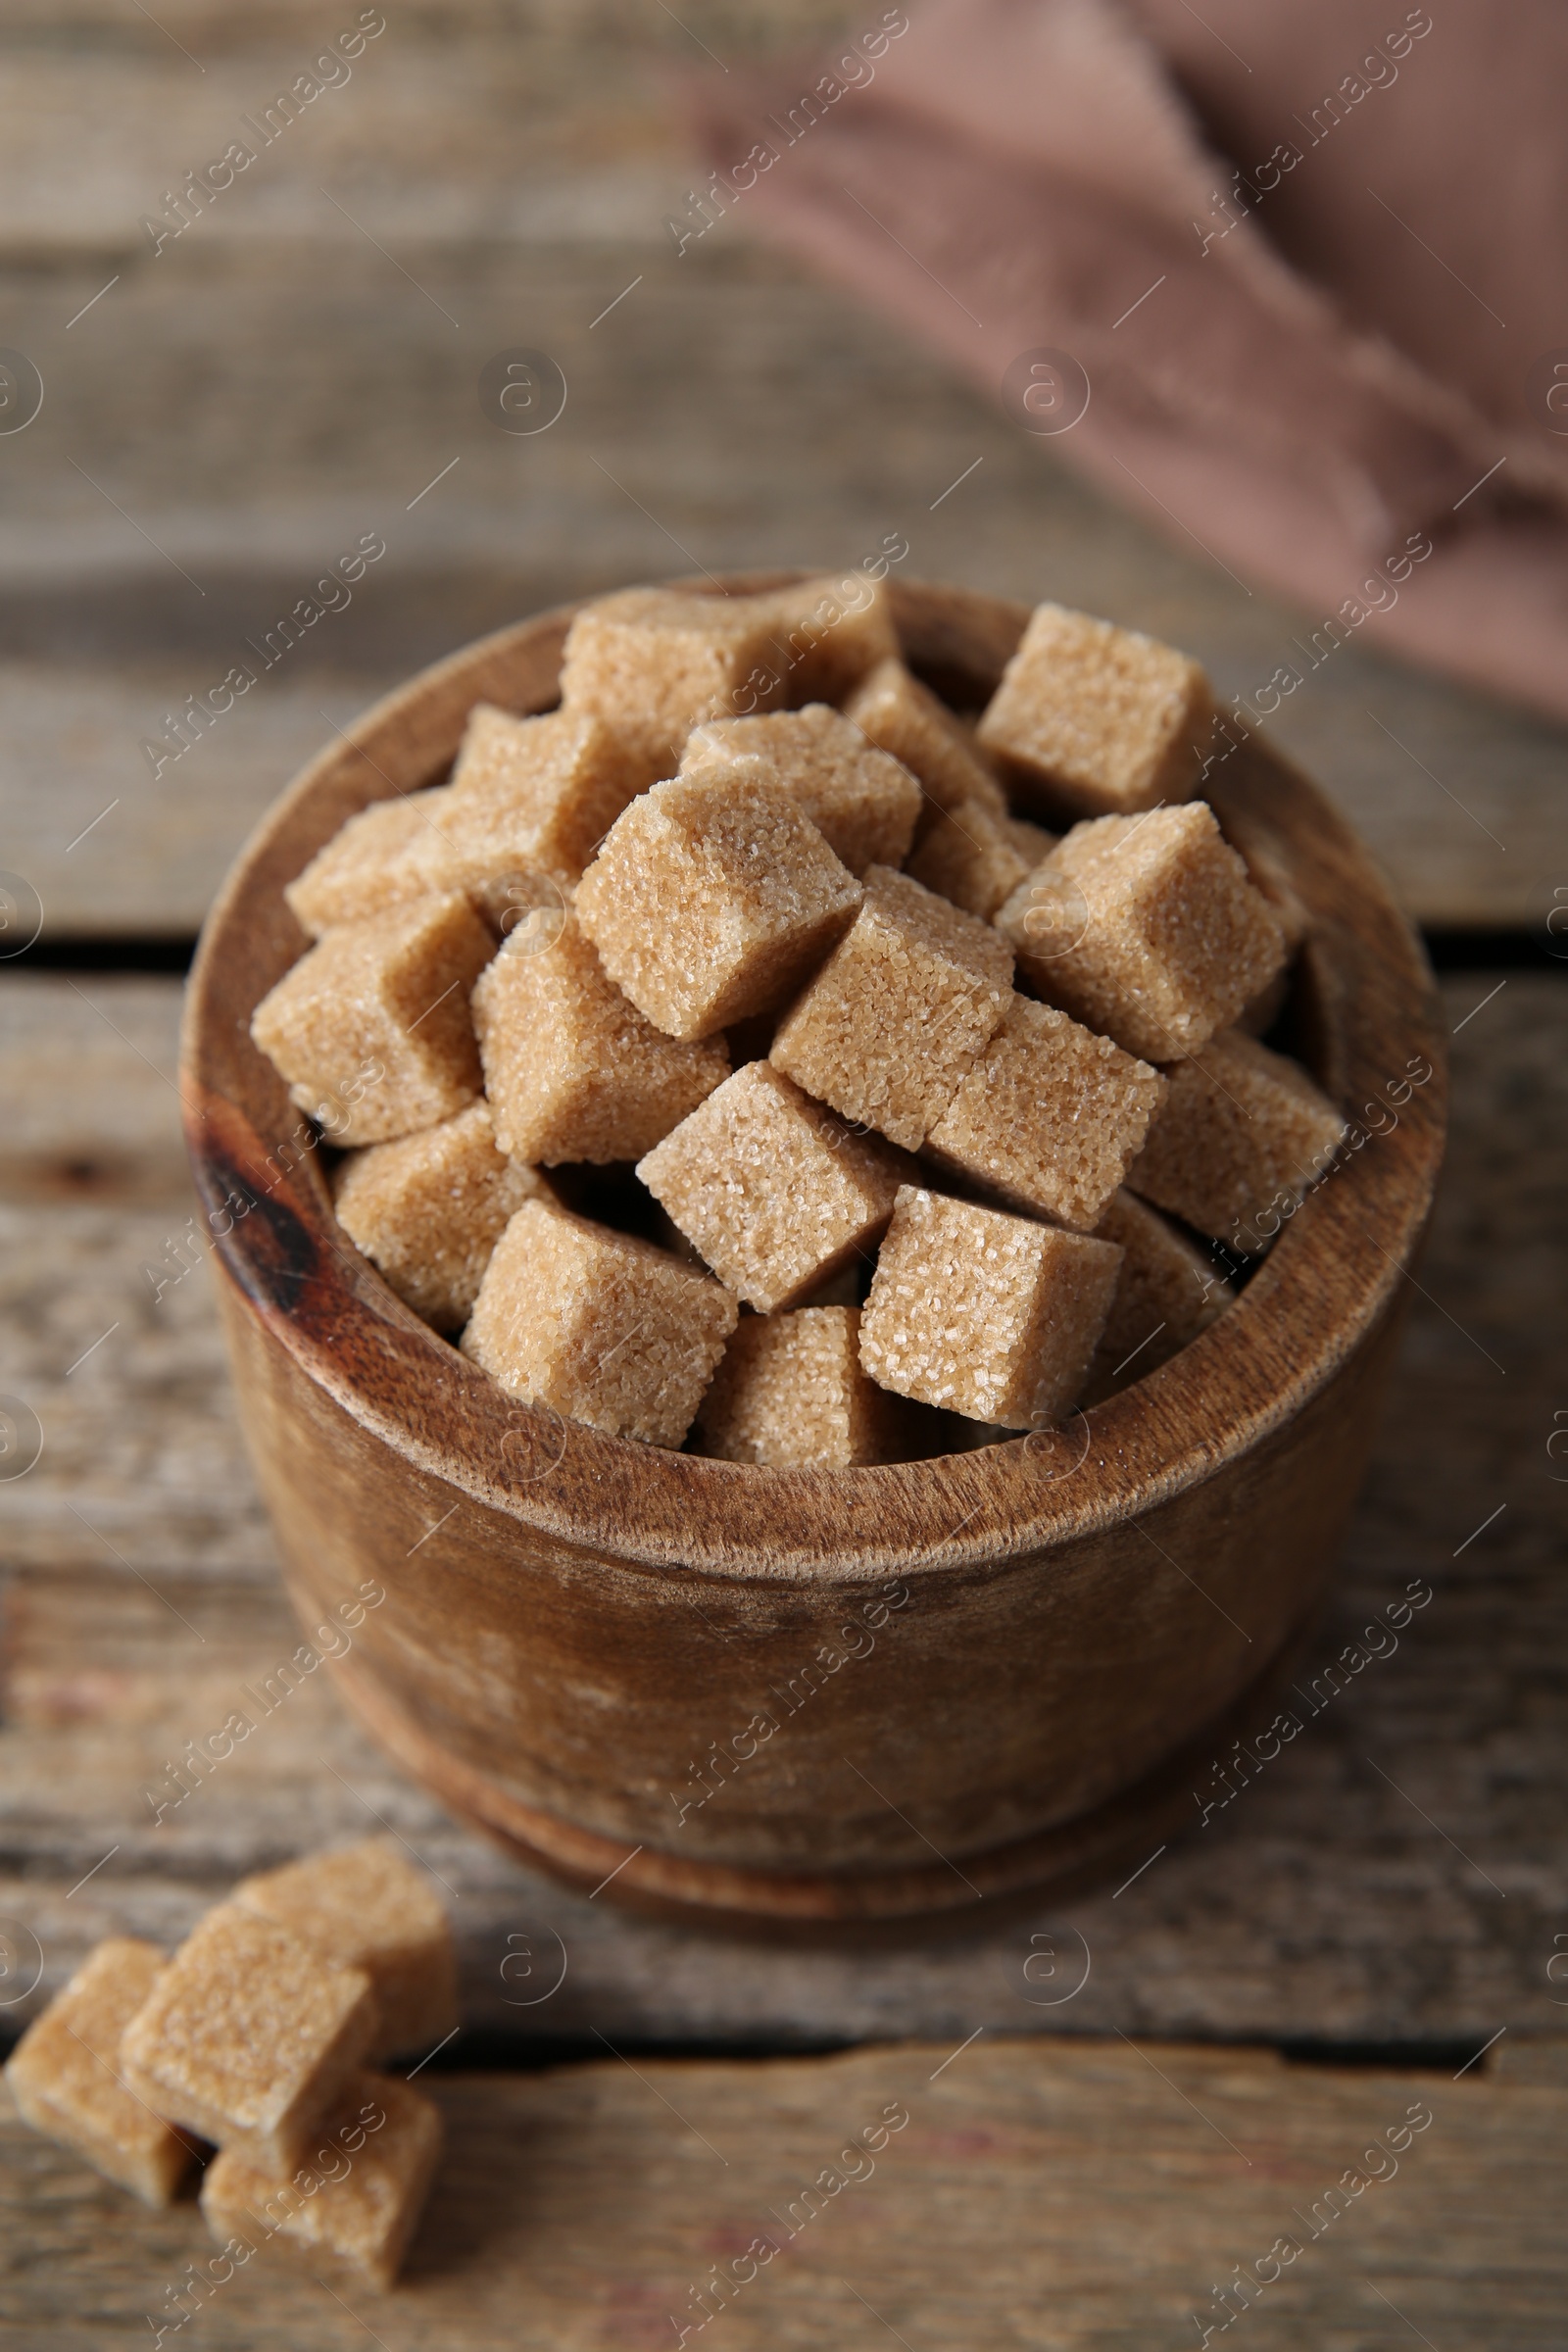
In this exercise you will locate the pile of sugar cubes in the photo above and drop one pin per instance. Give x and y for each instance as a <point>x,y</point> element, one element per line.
<point>260,2037</point>
<point>725,1060</point>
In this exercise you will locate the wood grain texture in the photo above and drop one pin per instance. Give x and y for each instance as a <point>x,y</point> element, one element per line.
<point>249,398</point>
<point>1073,2197</point>
<point>273,380</point>
<point>546,1663</point>
<point>1320,1903</point>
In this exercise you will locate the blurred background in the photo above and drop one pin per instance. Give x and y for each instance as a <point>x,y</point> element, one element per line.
<point>302,364</point>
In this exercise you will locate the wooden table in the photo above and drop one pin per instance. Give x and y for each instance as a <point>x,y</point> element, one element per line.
<point>1090,2150</point>
<point>1057,2193</point>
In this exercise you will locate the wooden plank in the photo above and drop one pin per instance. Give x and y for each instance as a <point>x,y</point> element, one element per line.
<point>88,1073</point>
<point>537,154</point>
<point>1084,2196</point>
<point>504,122</point>
<point>493,138</point>
<point>110,852</point>
<point>1324,1901</point>
<point>296,449</point>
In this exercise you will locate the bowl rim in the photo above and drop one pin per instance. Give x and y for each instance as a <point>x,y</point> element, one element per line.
<point>1326,1285</point>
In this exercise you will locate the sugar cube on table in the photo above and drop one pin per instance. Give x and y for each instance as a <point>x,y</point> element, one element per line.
<point>790,1394</point>
<point>891,707</point>
<point>371,1028</point>
<point>429,1208</point>
<point>573,1070</point>
<point>1051,1115</point>
<point>365,1906</point>
<point>1147,928</point>
<point>1098,720</point>
<point>655,662</point>
<point>601,1327</point>
<point>531,798</point>
<point>68,2082</point>
<point>977,858</point>
<point>991,1315</point>
<point>349,2209</point>
<point>773,1191</point>
<point>711,898</point>
<point>249,2035</point>
<point>390,852</point>
<point>1240,1138</point>
<point>899,1011</point>
<point>864,803</point>
<point>1167,1293</point>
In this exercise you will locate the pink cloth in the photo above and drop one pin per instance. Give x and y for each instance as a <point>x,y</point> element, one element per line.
<point>1310,261</point>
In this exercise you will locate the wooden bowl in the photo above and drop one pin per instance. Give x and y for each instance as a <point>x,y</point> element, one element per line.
<point>794,1694</point>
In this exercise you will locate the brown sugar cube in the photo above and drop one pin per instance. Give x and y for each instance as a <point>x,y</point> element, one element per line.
<point>1051,1116</point>
<point>711,898</point>
<point>1100,721</point>
<point>977,858</point>
<point>1147,928</point>
<point>863,803</point>
<point>1268,870</point>
<point>990,1315</point>
<point>364,1906</point>
<point>908,721</point>
<point>371,1027</point>
<point>552,787</point>
<point>827,633</point>
<point>1240,1138</point>
<point>573,1070</point>
<point>655,662</point>
<point>65,2076</point>
<point>899,1011</point>
<point>249,2035</point>
<point>601,1327</point>
<point>792,1394</point>
<point>349,2209</point>
<point>392,851</point>
<point>531,798</point>
<point>429,1208</point>
<point>776,1192</point>
<point>1167,1293</point>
